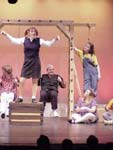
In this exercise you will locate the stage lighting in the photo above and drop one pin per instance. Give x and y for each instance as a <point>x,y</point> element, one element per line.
<point>12,1</point>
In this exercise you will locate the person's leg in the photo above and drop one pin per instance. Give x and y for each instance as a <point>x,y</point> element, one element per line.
<point>86,80</point>
<point>53,97</point>
<point>3,104</point>
<point>21,89</point>
<point>108,115</point>
<point>34,89</point>
<point>43,97</point>
<point>75,116</point>
<point>94,81</point>
<point>108,118</point>
<point>87,118</point>
<point>10,98</point>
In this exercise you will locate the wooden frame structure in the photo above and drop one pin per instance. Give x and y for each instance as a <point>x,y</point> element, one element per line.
<point>69,33</point>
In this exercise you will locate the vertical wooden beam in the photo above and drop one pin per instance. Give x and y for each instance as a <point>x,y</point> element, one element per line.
<point>71,72</point>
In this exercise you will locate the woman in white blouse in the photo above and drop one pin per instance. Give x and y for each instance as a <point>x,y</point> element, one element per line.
<point>31,66</point>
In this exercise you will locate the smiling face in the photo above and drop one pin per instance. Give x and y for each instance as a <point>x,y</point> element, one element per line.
<point>32,32</point>
<point>87,93</point>
<point>50,69</point>
<point>87,48</point>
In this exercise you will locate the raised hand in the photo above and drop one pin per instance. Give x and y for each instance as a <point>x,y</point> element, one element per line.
<point>3,33</point>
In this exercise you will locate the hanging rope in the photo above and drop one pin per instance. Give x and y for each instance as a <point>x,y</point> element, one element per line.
<point>89,31</point>
<point>17,53</point>
<point>77,81</point>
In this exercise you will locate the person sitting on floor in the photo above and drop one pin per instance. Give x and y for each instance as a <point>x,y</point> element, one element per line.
<point>49,88</point>
<point>8,89</point>
<point>86,108</point>
<point>108,115</point>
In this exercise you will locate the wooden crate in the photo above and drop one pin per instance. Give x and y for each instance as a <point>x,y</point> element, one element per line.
<point>26,113</point>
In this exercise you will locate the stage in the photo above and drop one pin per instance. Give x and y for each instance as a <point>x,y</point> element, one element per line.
<point>56,129</point>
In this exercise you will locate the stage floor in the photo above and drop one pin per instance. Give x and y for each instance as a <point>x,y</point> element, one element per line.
<point>56,129</point>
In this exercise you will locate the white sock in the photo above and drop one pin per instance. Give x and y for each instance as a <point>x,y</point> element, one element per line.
<point>33,97</point>
<point>20,97</point>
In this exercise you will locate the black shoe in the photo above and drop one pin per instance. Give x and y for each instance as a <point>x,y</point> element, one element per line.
<point>70,121</point>
<point>34,100</point>
<point>3,116</point>
<point>19,100</point>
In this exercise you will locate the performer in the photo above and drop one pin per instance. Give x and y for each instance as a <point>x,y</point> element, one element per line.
<point>91,69</point>
<point>31,67</point>
<point>8,89</point>
<point>108,115</point>
<point>49,88</point>
<point>85,110</point>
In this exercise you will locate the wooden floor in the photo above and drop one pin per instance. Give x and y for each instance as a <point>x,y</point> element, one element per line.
<point>56,129</point>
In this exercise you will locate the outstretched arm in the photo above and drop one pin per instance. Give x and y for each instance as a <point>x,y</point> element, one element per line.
<point>74,48</point>
<point>13,39</point>
<point>49,43</point>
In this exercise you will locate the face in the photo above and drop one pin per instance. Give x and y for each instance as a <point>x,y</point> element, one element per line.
<point>32,32</point>
<point>87,48</point>
<point>50,70</point>
<point>5,73</point>
<point>87,93</point>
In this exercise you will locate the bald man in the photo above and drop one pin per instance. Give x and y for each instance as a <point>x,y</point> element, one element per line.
<point>49,88</point>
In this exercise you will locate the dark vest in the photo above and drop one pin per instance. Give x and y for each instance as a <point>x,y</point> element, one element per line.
<point>31,49</point>
<point>49,83</point>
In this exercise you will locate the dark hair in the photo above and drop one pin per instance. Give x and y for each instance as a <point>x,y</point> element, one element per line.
<point>91,50</point>
<point>28,30</point>
<point>92,93</point>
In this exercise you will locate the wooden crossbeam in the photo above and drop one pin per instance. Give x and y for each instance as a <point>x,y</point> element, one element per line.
<point>84,24</point>
<point>44,23</point>
<point>35,22</point>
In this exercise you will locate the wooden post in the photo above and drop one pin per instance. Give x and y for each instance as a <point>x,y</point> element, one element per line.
<point>71,72</point>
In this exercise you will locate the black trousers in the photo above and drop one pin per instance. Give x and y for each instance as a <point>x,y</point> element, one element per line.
<point>49,96</point>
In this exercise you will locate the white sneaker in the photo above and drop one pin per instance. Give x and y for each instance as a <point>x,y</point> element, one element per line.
<point>108,122</point>
<point>55,113</point>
